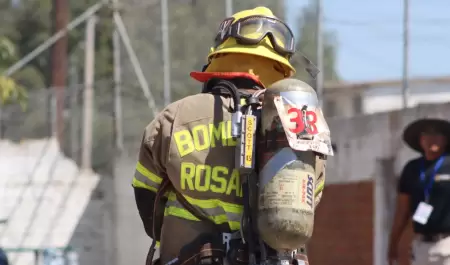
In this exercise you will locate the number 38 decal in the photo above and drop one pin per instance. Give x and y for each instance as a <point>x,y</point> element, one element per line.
<point>303,120</point>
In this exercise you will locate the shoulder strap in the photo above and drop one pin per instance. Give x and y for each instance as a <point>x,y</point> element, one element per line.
<point>190,208</point>
<point>167,186</point>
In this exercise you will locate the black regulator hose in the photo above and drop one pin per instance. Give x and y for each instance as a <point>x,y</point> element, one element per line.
<point>218,85</point>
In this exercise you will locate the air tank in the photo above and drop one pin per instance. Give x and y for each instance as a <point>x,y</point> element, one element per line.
<point>292,132</point>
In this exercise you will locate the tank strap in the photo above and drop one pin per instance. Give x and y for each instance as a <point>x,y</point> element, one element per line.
<point>165,184</point>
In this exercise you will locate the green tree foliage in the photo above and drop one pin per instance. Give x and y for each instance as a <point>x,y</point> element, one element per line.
<point>30,24</point>
<point>10,90</point>
<point>28,27</point>
<point>192,28</point>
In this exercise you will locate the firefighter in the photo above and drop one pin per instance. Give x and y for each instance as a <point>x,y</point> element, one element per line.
<point>189,145</point>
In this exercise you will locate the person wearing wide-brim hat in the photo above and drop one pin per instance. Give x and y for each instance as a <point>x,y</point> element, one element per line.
<point>424,194</point>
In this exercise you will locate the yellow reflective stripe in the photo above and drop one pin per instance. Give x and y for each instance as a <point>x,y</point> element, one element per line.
<point>211,203</point>
<point>185,214</point>
<point>157,244</point>
<point>234,225</point>
<point>319,188</point>
<point>139,184</point>
<point>141,169</point>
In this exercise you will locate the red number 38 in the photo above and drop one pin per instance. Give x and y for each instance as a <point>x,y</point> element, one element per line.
<point>300,118</point>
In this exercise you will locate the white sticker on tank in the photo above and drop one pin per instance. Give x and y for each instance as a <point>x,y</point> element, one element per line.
<point>305,126</point>
<point>292,189</point>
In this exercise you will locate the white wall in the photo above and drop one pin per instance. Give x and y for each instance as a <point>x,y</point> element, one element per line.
<point>43,195</point>
<point>390,98</point>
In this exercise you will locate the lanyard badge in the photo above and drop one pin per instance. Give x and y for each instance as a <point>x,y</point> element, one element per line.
<point>429,185</point>
<point>424,209</point>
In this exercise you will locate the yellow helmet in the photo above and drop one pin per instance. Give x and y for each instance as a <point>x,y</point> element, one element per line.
<point>271,38</point>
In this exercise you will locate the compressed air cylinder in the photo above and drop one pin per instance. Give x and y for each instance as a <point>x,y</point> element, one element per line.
<point>286,176</point>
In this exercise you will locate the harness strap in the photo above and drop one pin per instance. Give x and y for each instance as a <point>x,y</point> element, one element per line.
<point>208,254</point>
<point>194,211</point>
<point>165,184</point>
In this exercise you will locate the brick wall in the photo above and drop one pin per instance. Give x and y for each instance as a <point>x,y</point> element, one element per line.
<point>343,226</point>
<point>343,231</point>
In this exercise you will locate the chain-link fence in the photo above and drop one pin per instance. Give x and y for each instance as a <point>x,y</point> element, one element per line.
<point>49,256</point>
<point>192,26</point>
<point>39,120</point>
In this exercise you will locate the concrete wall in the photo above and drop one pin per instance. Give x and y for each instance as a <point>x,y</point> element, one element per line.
<point>132,243</point>
<point>383,99</point>
<point>110,231</point>
<point>370,150</point>
<point>92,238</point>
<point>363,140</point>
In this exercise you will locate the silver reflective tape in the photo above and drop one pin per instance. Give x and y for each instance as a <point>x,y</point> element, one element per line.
<point>145,180</point>
<point>284,157</point>
<point>301,98</point>
<point>216,211</point>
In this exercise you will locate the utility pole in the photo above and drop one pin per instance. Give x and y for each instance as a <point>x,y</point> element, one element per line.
<point>88,95</point>
<point>53,39</point>
<point>74,85</point>
<point>319,43</point>
<point>118,122</point>
<point>405,83</point>
<point>229,8</point>
<point>59,64</point>
<point>166,50</point>
<point>120,26</point>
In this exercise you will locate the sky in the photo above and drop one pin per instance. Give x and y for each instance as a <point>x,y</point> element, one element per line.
<point>370,40</point>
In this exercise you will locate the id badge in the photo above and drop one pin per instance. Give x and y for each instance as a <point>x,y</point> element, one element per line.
<point>423,213</point>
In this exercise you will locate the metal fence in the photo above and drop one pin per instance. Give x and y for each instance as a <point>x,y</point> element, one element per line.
<point>169,38</point>
<point>191,26</point>
<point>38,120</point>
<point>50,256</point>
<point>169,48</point>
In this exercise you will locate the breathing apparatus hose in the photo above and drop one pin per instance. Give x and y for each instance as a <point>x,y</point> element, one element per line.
<point>218,85</point>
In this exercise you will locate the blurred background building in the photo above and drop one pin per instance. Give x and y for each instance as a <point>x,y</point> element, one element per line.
<point>69,142</point>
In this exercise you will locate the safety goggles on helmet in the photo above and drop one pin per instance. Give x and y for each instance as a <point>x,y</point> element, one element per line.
<point>253,29</point>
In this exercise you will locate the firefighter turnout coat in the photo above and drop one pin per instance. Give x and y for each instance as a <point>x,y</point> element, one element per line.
<point>190,144</point>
